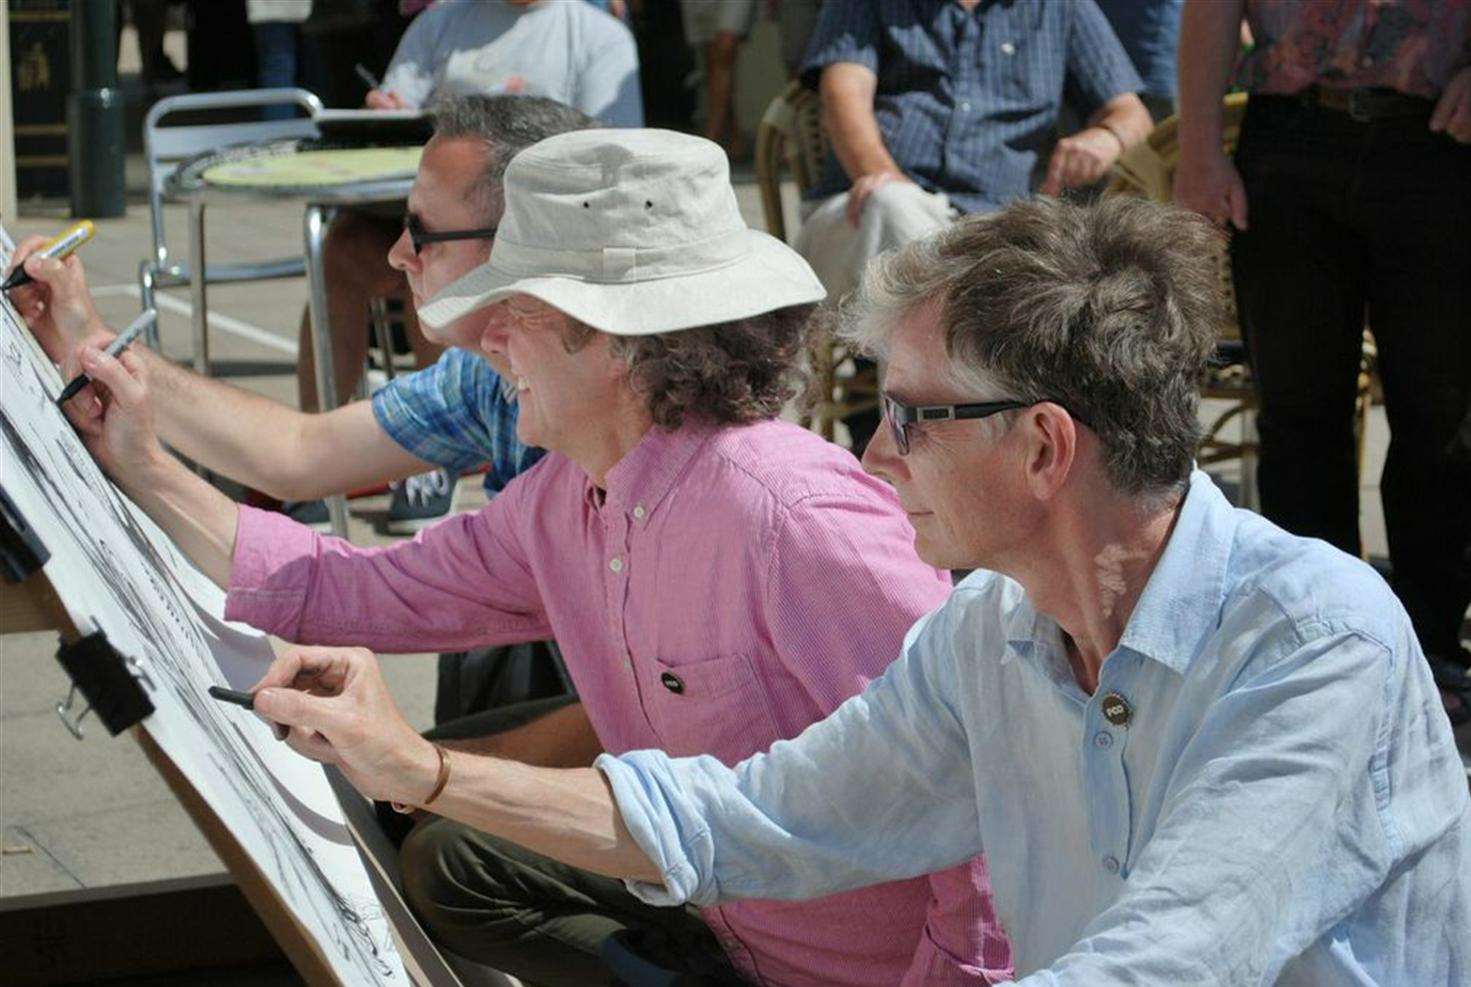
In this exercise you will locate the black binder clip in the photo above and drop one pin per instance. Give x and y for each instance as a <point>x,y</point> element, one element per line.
<point>21,551</point>
<point>106,680</point>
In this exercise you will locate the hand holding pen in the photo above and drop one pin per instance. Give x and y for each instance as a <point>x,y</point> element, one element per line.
<point>58,248</point>
<point>122,342</point>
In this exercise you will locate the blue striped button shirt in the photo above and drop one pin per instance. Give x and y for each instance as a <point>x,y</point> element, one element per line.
<point>456,415</point>
<point>967,101</point>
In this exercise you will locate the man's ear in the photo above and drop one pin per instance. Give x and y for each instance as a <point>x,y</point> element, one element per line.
<point>1051,438</point>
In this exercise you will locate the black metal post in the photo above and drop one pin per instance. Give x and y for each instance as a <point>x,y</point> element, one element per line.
<point>95,112</point>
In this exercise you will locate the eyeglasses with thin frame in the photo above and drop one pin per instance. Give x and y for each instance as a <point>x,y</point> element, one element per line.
<point>901,416</point>
<point>418,236</point>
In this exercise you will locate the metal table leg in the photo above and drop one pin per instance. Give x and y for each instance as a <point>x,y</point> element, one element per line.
<point>314,226</point>
<point>198,295</point>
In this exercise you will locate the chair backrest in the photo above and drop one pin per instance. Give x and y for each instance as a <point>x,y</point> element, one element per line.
<point>1148,169</point>
<point>790,137</point>
<point>164,147</point>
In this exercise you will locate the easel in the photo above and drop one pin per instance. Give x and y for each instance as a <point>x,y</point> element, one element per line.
<point>28,602</point>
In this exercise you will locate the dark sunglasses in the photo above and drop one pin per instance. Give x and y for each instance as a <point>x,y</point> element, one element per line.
<point>418,236</point>
<point>901,416</point>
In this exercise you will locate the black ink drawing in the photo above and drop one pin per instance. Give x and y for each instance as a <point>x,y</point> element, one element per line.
<point>115,570</point>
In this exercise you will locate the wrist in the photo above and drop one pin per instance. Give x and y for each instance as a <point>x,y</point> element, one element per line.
<point>422,776</point>
<point>1120,145</point>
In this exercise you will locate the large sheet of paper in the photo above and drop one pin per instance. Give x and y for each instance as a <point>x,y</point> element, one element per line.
<point>116,571</point>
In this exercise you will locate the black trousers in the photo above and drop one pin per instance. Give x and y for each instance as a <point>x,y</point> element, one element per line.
<point>1352,222</point>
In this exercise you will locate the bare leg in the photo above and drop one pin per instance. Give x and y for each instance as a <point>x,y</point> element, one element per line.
<point>355,261</point>
<point>720,61</point>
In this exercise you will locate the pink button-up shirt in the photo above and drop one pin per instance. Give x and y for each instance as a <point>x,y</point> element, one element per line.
<point>731,587</point>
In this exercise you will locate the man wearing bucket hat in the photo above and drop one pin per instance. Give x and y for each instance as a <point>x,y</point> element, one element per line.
<point>700,562</point>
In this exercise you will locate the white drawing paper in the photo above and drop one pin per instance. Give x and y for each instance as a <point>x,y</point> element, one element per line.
<point>115,570</point>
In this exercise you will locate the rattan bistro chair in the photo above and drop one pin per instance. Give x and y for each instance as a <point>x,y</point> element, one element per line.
<point>790,138</point>
<point>1148,169</point>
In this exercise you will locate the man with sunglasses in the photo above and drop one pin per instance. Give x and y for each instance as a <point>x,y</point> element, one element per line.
<point>452,416</point>
<point>455,414</point>
<point>1194,748</point>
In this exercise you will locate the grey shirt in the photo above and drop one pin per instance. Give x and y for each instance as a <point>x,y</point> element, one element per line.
<point>566,50</point>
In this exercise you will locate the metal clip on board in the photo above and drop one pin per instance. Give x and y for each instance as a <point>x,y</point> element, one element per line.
<point>106,680</point>
<point>103,676</point>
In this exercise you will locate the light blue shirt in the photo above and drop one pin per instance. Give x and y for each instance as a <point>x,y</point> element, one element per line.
<point>1284,803</point>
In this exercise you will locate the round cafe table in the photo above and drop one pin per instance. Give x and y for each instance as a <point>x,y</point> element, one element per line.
<point>324,179</point>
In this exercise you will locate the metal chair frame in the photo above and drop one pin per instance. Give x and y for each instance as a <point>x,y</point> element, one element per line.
<point>165,147</point>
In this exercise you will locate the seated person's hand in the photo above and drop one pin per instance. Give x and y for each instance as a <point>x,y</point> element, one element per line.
<point>1453,110</point>
<point>864,186</point>
<point>332,705</point>
<point>1081,160</point>
<point>56,305</point>
<point>384,99</point>
<point>116,419</point>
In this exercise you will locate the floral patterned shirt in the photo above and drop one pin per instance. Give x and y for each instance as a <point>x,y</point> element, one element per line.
<point>1413,46</point>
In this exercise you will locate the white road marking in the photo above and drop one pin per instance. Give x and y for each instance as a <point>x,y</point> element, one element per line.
<point>236,327</point>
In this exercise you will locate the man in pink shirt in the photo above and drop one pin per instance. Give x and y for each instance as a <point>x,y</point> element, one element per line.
<point>718,579</point>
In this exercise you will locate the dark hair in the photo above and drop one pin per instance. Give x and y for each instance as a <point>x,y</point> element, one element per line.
<point>507,125</point>
<point>730,373</point>
<point>1112,309</point>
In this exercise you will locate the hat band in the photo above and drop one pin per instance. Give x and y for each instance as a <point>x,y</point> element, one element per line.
<point>622,264</point>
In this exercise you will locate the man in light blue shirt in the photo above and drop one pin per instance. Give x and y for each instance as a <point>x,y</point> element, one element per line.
<point>1195,749</point>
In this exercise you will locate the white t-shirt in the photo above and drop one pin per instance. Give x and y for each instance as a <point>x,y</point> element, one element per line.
<point>566,50</point>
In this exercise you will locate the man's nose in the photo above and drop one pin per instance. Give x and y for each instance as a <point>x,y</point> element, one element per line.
<point>401,256</point>
<point>493,336</point>
<point>881,457</point>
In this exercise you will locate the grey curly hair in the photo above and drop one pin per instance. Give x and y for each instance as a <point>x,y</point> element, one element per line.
<point>1111,309</point>
<point>731,373</point>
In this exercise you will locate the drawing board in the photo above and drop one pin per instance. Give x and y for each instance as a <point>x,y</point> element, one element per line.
<point>114,570</point>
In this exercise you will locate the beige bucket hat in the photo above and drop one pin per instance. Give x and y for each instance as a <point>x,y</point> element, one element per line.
<point>633,232</point>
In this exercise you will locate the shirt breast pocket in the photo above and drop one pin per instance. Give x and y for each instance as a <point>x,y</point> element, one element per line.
<point>713,706</point>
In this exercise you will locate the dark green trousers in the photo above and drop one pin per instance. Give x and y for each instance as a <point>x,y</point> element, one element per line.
<point>494,902</point>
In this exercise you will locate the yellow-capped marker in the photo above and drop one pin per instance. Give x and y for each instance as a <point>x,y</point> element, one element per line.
<point>59,248</point>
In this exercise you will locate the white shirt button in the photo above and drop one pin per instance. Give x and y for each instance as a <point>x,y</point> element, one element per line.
<point>965,107</point>
<point>1111,864</point>
<point>1007,48</point>
<point>616,564</point>
<point>639,512</point>
<point>1103,739</point>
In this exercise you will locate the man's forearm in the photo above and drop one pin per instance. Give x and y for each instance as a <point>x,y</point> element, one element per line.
<point>847,110</point>
<point>1125,117</point>
<point>269,446</point>
<point>1209,33</point>
<point>566,814</point>
<point>226,429</point>
<point>200,520</point>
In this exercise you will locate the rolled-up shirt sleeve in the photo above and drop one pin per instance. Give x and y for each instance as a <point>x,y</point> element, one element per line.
<point>846,31</point>
<point>460,584</point>
<point>881,790</point>
<point>1286,780</point>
